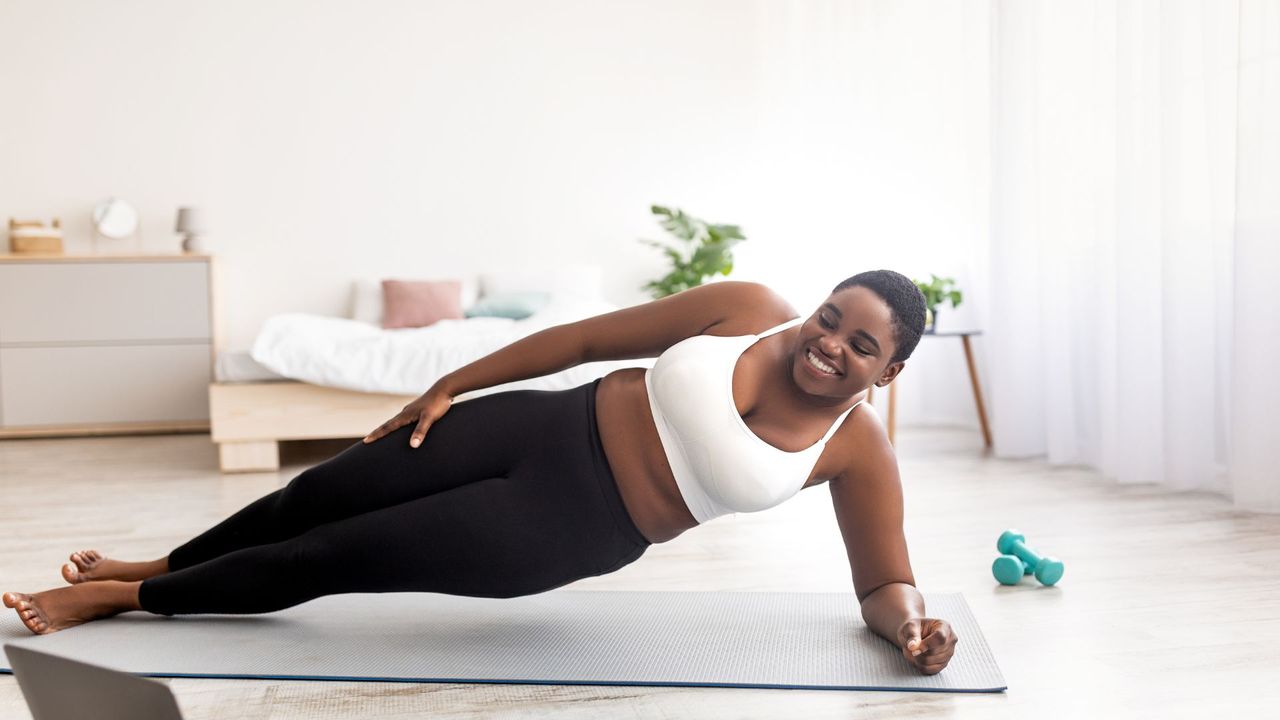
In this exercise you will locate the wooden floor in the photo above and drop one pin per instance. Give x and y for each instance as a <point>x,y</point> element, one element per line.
<point>1170,606</point>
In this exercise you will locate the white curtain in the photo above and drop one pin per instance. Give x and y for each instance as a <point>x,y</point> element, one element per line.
<point>1255,387</point>
<point>1103,176</point>
<point>1135,220</point>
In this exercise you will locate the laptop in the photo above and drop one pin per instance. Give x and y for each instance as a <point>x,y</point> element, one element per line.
<point>58,688</point>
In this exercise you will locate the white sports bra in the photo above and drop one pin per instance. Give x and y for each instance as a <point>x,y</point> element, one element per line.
<point>720,465</point>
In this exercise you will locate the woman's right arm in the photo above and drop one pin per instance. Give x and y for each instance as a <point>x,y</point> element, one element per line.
<point>639,331</point>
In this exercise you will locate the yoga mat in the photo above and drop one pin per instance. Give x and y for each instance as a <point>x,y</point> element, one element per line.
<point>814,641</point>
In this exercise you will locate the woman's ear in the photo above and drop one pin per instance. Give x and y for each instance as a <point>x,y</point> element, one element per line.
<point>890,373</point>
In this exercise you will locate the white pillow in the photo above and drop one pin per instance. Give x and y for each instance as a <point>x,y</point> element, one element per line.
<point>366,295</point>
<point>583,281</point>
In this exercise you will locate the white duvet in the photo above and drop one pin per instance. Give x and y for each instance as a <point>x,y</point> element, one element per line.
<point>356,355</point>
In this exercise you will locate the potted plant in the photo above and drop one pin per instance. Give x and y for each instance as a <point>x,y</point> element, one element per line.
<point>935,291</point>
<point>710,251</point>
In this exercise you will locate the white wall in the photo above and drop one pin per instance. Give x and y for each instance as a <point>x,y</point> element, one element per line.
<point>329,140</point>
<point>874,152</point>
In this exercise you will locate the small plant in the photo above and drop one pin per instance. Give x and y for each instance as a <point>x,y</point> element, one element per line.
<point>710,251</point>
<point>936,291</point>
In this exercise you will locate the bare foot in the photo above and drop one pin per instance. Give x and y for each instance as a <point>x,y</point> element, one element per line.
<point>88,565</point>
<point>61,608</point>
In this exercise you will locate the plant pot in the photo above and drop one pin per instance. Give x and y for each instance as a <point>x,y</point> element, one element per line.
<point>930,320</point>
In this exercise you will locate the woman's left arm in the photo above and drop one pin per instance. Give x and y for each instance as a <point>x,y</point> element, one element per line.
<point>867,496</point>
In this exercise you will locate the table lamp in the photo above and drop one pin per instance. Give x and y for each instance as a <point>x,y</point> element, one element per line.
<point>190,224</point>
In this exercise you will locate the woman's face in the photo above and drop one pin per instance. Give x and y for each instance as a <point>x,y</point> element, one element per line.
<point>852,333</point>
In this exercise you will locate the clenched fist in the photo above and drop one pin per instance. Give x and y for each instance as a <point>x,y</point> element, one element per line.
<point>927,643</point>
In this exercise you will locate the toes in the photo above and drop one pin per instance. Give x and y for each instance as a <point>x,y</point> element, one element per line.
<point>85,559</point>
<point>27,612</point>
<point>71,573</point>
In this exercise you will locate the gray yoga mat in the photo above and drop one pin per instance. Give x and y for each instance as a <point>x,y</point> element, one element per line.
<point>725,639</point>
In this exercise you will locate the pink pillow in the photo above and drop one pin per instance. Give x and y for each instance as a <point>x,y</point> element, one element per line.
<point>419,303</point>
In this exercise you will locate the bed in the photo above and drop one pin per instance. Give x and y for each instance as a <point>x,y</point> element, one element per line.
<point>311,376</point>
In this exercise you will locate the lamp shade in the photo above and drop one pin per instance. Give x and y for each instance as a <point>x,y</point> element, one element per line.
<point>190,221</point>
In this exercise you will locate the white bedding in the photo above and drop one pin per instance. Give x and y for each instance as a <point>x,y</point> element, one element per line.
<point>356,355</point>
<point>238,366</point>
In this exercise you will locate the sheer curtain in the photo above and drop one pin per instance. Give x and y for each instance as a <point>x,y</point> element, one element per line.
<point>1135,219</point>
<point>1105,178</point>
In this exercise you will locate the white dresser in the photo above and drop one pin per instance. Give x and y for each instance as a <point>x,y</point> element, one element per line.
<point>105,344</point>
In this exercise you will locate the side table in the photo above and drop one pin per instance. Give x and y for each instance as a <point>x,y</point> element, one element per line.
<point>964,336</point>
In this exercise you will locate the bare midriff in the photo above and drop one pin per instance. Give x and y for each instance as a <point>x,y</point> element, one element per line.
<point>637,459</point>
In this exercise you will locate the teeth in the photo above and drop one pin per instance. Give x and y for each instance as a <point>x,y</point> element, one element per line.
<point>814,361</point>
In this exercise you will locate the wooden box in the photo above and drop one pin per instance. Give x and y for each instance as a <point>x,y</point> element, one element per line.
<point>34,237</point>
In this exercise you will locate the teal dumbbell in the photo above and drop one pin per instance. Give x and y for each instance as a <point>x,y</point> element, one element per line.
<point>1017,559</point>
<point>1009,569</point>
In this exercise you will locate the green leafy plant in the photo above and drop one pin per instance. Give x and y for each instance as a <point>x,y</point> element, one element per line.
<point>936,291</point>
<point>708,250</point>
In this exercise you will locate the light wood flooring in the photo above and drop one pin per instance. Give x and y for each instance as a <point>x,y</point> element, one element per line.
<point>1170,606</point>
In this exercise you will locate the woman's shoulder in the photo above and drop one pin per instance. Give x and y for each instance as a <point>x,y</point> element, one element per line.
<point>861,444</point>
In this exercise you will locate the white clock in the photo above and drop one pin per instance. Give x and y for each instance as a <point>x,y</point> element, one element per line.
<point>114,219</point>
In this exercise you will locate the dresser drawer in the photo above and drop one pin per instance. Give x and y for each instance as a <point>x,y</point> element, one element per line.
<point>103,301</point>
<point>103,384</point>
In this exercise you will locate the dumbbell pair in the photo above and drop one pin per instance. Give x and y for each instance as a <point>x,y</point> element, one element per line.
<point>1016,560</point>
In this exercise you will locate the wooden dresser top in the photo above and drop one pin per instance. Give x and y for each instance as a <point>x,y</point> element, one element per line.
<point>103,257</point>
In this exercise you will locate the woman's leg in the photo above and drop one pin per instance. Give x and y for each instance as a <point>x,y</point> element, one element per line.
<point>477,439</point>
<point>500,537</point>
<point>556,517</point>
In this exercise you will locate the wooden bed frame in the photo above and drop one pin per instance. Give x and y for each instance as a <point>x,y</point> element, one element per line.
<point>248,420</point>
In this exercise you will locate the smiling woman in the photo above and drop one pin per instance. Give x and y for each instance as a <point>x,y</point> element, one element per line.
<point>718,462</point>
<point>734,416</point>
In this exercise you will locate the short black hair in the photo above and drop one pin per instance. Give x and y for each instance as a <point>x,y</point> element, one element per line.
<point>906,304</point>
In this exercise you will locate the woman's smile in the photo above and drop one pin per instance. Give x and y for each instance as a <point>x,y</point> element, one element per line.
<point>818,367</point>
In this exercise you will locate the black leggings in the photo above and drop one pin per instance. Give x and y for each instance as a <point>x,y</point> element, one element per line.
<point>509,494</point>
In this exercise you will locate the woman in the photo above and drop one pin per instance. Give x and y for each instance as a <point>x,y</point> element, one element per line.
<point>519,492</point>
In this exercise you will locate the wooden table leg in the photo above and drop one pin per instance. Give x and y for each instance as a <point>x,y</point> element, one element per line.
<point>893,403</point>
<point>977,391</point>
<point>871,398</point>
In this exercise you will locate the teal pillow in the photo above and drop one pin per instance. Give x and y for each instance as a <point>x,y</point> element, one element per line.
<point>514,305</point>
